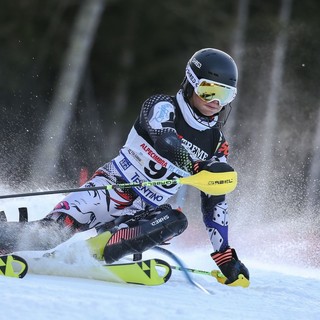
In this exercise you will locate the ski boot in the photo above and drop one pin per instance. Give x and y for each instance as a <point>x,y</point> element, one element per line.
<point>233,270</point>
<point>145,230</point>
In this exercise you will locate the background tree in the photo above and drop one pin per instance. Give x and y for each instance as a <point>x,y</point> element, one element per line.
<point>140,49</point>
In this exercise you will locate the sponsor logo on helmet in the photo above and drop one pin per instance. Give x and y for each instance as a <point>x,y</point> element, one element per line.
<point>196,63</point>
<point>192,77</point>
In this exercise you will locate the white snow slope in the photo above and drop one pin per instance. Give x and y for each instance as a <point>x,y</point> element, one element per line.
<point>276,291</point>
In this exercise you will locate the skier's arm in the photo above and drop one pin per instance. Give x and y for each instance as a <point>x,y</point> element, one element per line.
<point>169,146</point>
<point>157,118</point>
<point>215,208</point>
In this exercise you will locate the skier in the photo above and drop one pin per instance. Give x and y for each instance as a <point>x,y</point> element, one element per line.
<point>174,136</point>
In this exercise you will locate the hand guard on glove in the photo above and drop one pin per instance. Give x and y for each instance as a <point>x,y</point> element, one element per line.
<point>212,166</point>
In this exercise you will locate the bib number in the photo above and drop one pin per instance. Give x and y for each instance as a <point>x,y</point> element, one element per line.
<point>156,171</point>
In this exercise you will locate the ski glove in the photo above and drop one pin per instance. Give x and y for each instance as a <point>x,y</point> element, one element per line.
<point>212,166</point>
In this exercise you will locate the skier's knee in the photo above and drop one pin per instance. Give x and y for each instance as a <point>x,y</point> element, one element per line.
<point>145,235</point>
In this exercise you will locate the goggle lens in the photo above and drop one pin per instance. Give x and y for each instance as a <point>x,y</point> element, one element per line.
<point>209,91</point>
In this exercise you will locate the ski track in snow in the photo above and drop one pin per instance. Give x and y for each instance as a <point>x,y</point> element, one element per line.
<point>276,292</point>
<point>271,295</point>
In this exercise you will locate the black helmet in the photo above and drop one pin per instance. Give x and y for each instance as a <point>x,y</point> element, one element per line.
<point>216,69</point>
<point>211,64</point>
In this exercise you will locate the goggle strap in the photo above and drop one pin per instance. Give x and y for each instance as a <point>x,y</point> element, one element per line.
<point>191,76</point>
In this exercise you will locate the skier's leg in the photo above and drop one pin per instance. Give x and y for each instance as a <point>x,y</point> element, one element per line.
<point>36,235</point>
<point>78,211</point>
<point>140,234</point>
<point>216,221</point>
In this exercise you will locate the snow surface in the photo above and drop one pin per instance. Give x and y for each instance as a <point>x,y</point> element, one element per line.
<point>276,291</point>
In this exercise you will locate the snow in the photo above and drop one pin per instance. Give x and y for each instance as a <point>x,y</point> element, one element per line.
<point>277,291</point>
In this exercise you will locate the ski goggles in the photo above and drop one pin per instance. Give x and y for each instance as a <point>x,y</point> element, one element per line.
<point>209,90</point>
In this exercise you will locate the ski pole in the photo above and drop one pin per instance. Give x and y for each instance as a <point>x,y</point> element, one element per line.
<point>242,281</point>
<point>207,273</point>
<point>214,183</point>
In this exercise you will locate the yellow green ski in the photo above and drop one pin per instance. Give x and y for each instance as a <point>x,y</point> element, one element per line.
<point>242,281</point>
<point>150,272</point>
<point>13,266</point>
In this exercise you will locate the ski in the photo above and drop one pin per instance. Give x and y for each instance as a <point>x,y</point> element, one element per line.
<point>150,272</point>
<point>242,281</point>
<point>13,266</point>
